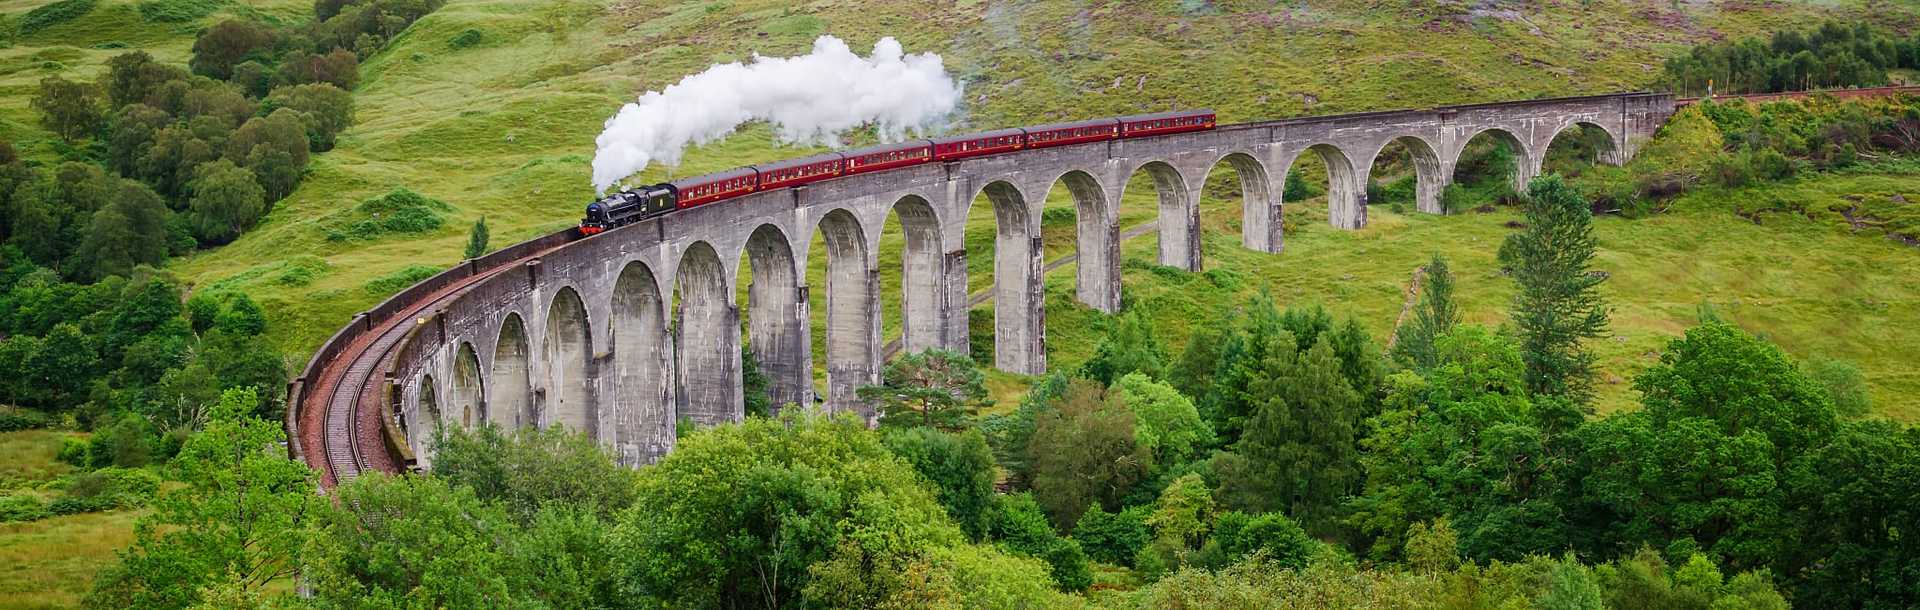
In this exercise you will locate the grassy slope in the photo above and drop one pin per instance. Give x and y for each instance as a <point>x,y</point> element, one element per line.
<point>50,563</point>
<point>505,130</point>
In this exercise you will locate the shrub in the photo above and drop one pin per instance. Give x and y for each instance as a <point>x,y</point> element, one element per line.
<point>76,451</point>
<point>16,418</point>
<point>49,15</point>
<point>1114,538</point>
<point>398,211</point>
<point>467,39</point>
<point>399,280</point>
<point>22,508</point>
<point>73,506</point>
<point>107,489</point>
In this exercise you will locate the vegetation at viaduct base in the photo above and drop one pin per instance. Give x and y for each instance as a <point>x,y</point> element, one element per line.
<point>172,249</point>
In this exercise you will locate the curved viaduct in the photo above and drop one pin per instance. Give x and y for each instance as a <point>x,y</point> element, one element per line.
<point>587,333</point>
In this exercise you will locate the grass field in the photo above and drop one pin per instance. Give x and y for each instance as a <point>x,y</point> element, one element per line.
<point>50,563</point>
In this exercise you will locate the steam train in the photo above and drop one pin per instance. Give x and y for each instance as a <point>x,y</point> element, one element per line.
<point>638,203</point>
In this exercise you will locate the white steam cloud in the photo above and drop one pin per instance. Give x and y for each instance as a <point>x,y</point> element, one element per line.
<point>808,99</point>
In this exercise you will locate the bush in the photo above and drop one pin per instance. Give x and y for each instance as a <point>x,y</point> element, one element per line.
<point>1021,528</point>
<point>22,508</point>
<point>49,15</point>
<point>106,489</point>
<point>74,506</point>
<point>466,39</point>
<point>399,280</point>
<point>398,211</point>
<point>16,418</point>
<point>76,451</point>
<point>1114,538</point>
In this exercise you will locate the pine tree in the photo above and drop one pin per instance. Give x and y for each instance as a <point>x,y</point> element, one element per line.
<point>936,388</point>
<point>1559,302</point>
<point>477,239</point>
<point>1435,315</point>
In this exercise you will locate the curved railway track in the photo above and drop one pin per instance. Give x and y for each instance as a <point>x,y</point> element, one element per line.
<point>342,417</point>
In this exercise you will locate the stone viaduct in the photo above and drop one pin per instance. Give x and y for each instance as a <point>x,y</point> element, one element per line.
<point>587,333</point>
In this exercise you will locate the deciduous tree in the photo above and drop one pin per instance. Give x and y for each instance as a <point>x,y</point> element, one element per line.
<point>71,110</point>
<point>226,201</point>
<point>238,520</point>
<point>1083,452</point>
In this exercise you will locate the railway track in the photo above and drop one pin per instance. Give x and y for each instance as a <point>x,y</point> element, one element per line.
<point>341,416</point>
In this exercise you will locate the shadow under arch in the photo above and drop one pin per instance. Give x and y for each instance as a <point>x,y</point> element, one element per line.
<point>1346,194</point>
<point>852,311</point>
<point>643,373</point>
<point>570,371</point>
<point>426,421</point>
<point>1018,316</point>
<point>1584,142</point>
<point>1430,178</point>
<point>707,337</point>
<point>1524,168</point>
<point>921,266</point>
<point>776,325</point>
<point>1178,215</point>
<point>511,403</point>
<point>468,393</point>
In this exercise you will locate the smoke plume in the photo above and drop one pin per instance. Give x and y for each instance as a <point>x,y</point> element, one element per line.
<point>810,99</point>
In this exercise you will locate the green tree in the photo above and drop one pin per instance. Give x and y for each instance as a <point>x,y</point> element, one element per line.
<point>1435,315</point>
<point>936,388</point>
<point>69,109</point>
<point>1742,383</point>
<point>1845,385</point>
<point>1852,502</point>
<point>227,43</point>
<point>1181,521</point>
<point>1237,535</point>
<point>1017,524</point>
<point>960,467</point>
<point>1165,422</point>
<point>1300,450</point>
<point>1558,304</point>
<point>737,514</point>
<point>1083,452</point>
<point>371,547</point>
<point>525,469</point>
<point>129,232</point>
<point>238,519</point>
<point>170,164</point>
<point>1114,538</point>
<point>226,201</point>
<point>133,76</point>
<point>1129,347</point>
<point>477,239</point>
<point>132,131</point>
<point>326,110</point>
<point>1460,441</point>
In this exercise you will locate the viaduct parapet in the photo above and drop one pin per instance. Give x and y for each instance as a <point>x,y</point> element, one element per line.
<point>588,333</point>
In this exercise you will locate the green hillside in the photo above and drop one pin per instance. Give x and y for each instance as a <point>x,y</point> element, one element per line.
<point>492,107</point>
<point>503,128</point>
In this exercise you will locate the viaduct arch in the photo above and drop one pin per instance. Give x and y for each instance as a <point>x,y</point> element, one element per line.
<point>627,334</point>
